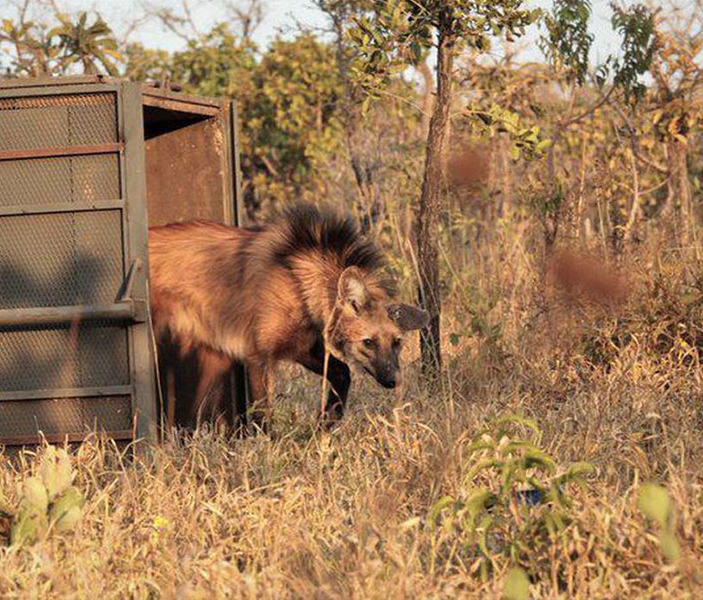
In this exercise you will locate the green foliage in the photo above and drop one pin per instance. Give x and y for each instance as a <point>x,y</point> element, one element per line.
<point>568,43</point>
<point>65,512</point>
<point>397,33</point>
<point>40,49</point>
<point>653,500</point>
<point>524,140</point>
<point>35,494</point>
<point>147,64</point>
<point>47,501</point>
<point>217,63</point>
<point>517,585</point>
<point>514,498</point>
<point>292,119</point>
<point>635,25</point>
<point>91,45</point>
<point>34,52</point>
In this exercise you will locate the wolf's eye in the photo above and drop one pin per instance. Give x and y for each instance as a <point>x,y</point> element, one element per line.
<point>368,342</point>
<point>397,342</point>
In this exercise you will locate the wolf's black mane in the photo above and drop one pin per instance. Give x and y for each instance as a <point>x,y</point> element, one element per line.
<point>328,231</point>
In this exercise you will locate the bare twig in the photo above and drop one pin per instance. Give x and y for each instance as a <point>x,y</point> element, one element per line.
<point>633,143</point>
<point>589,111</point>
<point>249,15</point>
<point>180,25</point>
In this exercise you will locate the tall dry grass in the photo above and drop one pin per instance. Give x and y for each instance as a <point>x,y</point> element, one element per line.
<point>347,514</point>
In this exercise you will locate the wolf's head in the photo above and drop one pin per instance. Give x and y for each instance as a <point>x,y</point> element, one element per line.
<point>366,328</point>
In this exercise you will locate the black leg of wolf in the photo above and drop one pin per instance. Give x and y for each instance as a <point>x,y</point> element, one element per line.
<point>339,378</point>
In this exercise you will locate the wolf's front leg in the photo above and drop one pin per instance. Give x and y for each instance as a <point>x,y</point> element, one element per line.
<point>339,379</point>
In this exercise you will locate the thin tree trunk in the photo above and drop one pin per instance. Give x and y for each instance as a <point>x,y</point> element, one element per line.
<point>430,202</point>
<point>680,190</point>
<point>427,94</point>
<point>636,200</point>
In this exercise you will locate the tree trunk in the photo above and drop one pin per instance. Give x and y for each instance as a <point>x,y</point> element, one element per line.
<point>427,94</point>
<point>680,202</point>
<point>430,201</point>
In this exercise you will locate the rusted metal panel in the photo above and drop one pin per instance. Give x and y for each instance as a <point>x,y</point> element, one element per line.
<point>155,96</point>
<point>186,173</point>
<point>182,106</point>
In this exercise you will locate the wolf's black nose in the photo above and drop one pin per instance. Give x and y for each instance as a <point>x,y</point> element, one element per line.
<point>388,382</point>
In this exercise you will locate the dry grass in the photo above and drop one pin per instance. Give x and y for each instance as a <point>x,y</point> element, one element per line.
<point>346,515</point>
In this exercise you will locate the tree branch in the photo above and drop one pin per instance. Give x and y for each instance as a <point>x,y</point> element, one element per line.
<point>588,112</point>
<point>633,144</point>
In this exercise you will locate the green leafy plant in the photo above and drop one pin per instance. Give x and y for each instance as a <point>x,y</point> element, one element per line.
<point>653,500</point>
<point>93,46</point>
<point>514,498</point>
<point>47,502</point>
<point>517,584</point>
<point>524,140</point>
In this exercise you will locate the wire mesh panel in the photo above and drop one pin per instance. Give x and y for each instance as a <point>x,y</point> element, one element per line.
<point>24,418</point>
<point>61,357</point>
<point>60,259</point>
<point>63,179</point>
<point>57,121</point>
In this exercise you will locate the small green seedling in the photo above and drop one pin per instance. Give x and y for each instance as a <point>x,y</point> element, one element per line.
<point>653,500</point>
<point>47,501</point>
<point>516,585</point>
<point>513,498</point>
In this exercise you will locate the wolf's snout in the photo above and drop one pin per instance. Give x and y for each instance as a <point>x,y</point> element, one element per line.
<point>386,375</point>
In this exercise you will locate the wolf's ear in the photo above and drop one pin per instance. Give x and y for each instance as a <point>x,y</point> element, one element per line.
<point>351,289</point>
<point>408,317</point>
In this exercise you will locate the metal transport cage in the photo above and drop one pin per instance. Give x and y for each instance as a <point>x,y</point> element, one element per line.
<point>87,164</point>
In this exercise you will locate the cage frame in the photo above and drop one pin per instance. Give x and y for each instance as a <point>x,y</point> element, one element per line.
<point>131,306</point>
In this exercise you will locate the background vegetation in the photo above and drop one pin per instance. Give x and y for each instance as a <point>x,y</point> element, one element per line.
<point>564,218</point>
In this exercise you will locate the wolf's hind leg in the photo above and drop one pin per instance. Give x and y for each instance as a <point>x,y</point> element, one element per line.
<point>261,382</point>
<point>212,367</point>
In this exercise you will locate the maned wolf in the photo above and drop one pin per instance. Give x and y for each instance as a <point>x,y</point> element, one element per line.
<point>278,292</point>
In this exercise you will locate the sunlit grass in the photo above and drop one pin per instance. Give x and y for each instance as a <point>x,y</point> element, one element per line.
<point>346,515</point>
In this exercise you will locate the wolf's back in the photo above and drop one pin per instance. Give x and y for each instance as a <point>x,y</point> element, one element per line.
<point>242,290</point>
